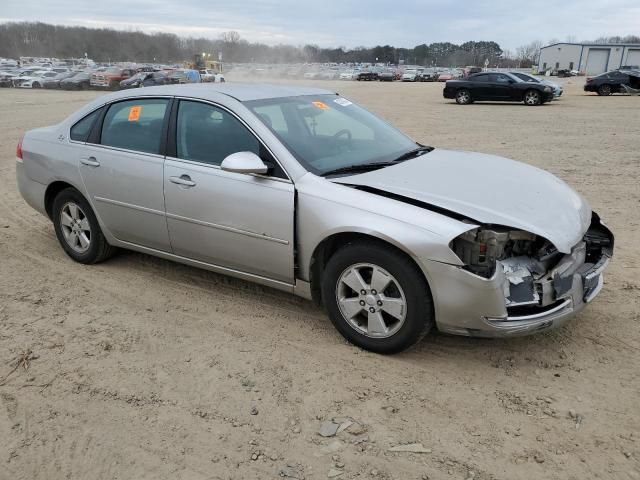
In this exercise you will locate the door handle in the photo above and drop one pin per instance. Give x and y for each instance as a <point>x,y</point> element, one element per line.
<point>91,162</point>
<point>183,180</point>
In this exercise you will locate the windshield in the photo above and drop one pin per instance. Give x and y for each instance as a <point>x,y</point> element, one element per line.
<point>328,132</point>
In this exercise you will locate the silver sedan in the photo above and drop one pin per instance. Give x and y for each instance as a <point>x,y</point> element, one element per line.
<point>302,190</point>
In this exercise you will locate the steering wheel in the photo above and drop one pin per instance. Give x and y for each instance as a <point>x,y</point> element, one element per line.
<point>345,142</point>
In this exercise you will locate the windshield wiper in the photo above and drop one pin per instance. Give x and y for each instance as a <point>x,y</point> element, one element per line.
<point>416,152</point>
<point>366,167</point>
<point>363,167</point>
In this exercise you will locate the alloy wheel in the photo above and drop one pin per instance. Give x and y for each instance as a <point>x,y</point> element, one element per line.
<point>532,98</point>
<point>605,90</point>
<point>75,227</point>
<point>371,300</point>
<point>464,97</point>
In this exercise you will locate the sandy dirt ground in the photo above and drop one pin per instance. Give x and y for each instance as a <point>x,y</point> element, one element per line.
<point>139,368</point>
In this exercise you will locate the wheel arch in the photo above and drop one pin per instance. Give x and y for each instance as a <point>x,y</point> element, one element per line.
<point>52,191</point>
<point>333,242</point>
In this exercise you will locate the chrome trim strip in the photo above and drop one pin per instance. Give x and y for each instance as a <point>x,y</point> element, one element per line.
<point>128,205</point>
<point>599,268</point>
<point>541,315</point>
<point>595,291</point>
<point>124,150</point>
<point>261,236</point>
<point>210,266</point>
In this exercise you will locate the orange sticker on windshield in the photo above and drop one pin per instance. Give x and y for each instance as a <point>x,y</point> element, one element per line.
<point>134,113</point>
<point>320,105</point>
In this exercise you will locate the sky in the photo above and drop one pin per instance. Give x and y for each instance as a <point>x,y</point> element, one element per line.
<point>347,23</point>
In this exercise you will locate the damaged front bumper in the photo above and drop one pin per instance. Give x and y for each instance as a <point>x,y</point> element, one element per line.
<point>518,299</point>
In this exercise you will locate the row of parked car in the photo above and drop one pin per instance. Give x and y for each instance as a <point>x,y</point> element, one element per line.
<point>105,77</point>
<point>359,72</point>
<point>406,75</point>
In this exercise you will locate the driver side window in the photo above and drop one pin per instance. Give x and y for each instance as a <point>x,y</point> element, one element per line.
<point>208,134</point>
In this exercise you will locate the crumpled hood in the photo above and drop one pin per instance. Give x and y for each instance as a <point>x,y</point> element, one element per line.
<point>490,190</point>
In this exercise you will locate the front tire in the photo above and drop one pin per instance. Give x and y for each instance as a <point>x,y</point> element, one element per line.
<point>605,90</point>
<point>463,97</point>
<point>532,98</point>
<point>377,298</point>
<point>77,228</point>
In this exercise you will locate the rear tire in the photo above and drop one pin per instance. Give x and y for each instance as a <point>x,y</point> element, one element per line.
<point>605,90</point>
<point>35,85</point>
<point>532,98</point>
<point>387,320</point>
<point>463,97</point>
<point>77,228</point>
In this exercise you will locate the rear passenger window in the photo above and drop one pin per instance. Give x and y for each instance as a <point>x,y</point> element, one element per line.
<point>135,125</point>
<point>208,134</point>
<point>81,130</point>
<point>499,78</point>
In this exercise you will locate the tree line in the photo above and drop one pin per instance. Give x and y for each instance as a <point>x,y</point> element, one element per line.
<point>35,39</point>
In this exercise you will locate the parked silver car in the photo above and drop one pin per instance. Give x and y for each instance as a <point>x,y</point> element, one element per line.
<point>302,190</point>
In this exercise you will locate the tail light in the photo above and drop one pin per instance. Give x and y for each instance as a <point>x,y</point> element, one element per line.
<point>589,79</point>
<point>19,150</point>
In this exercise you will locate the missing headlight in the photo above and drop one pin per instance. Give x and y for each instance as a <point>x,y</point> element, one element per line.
<point>480,248</point>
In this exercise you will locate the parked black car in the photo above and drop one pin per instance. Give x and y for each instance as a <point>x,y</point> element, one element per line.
<point>497,87</point>
<point>366,76</point>
<point>80,81</point>
<point>609,82</point>
<point>145,79</point>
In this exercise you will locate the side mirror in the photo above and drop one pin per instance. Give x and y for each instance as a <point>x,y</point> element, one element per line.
<point>244,162</point>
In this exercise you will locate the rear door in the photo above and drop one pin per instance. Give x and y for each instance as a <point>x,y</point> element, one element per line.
<point>122,169</point>
<point>479,86</point>
<point>244,222</point>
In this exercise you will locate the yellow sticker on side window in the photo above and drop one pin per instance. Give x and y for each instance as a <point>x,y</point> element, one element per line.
<point>134,113</point>
<point>321,105</point>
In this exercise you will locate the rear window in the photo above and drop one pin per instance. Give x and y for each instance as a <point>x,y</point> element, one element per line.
<point>81,130</point>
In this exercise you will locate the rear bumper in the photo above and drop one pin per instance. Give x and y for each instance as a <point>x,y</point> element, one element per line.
<point>449,92</point>
<point>32,191</point>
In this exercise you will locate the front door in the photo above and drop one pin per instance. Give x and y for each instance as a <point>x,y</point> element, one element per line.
<point>242,222</point>
<point>500,87</point>
<point>123,173</point>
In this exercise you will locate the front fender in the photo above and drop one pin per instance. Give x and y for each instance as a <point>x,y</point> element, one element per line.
<point>325,208</point>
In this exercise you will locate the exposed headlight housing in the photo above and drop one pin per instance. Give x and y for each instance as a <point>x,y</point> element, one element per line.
<point>548,89</point>
<point>479,249</point>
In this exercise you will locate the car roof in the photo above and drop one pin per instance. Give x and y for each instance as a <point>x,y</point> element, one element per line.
<point>242,92</point>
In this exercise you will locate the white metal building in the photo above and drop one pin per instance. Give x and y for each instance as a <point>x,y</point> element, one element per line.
<point>591,59</point>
